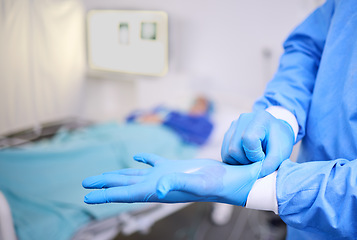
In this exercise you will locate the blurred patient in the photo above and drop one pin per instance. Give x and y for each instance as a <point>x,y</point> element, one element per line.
<point>193,126</point>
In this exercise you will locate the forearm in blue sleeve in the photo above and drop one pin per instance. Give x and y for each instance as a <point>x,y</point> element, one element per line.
<point>319,196</point>
<point>293,84</point>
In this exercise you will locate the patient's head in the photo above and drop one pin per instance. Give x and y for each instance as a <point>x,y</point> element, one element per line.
<point>201,106</point>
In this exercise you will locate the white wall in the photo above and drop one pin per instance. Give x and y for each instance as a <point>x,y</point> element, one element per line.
<point>41,61</point>
<point>228,49</point>
<point>215,47</point>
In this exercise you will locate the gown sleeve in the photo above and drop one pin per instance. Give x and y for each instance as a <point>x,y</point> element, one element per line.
<point>319,197</point>
<point>293,84</point>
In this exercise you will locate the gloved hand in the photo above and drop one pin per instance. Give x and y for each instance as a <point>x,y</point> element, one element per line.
<point>258,136</point>
<point>173,181</point>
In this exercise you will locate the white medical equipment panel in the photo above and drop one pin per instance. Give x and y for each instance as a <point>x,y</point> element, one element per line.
<point>128,41</point>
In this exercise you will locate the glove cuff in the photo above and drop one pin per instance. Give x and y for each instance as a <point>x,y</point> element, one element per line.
<point>283,114</point>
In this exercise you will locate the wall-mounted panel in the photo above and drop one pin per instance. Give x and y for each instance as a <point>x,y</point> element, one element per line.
<point>127,41</point>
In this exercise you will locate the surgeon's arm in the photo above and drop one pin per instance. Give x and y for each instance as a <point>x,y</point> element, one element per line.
<point>316,196</point>
<point>293,84</point>
<point>264,134</point>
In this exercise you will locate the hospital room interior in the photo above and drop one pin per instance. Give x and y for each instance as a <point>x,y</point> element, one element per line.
<point>85,85</point>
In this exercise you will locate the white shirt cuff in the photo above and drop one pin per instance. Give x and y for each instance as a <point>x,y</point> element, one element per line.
<point>262,196</point>
<point>283,114</point>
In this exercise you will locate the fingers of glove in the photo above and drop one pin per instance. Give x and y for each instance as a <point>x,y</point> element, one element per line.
<point>236,147</point>
<point>110,180</point>
<point>232,151</point>
<point>279,147</point>
<point>130,172</point>
<point>225,145</point>
<point>148,158</point>
<point>252,139</point>
<point>227,154</point>
<point>190,183</point>
<point>128,194</point>
<point>273,158</point>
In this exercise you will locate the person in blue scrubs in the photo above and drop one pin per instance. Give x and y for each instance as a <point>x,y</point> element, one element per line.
<point>312,98</point>
<point>315,91</point>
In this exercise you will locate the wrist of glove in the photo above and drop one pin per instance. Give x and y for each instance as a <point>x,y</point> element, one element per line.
<point>173,181</point>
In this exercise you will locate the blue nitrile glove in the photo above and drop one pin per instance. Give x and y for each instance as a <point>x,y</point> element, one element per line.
<point>174,181</point>
<point>258,136</point>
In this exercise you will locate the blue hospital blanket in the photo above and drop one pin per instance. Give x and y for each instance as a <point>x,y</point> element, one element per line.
<point>42,182</point>
<point>194,129</point>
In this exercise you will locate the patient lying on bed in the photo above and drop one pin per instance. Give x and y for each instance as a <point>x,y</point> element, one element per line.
<point>193,126</point>
<point>42,182</point>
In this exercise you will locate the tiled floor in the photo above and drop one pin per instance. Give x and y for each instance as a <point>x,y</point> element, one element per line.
<point>195,223</point>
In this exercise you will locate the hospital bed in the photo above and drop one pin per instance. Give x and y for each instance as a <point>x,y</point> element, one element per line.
<point>137,218</point>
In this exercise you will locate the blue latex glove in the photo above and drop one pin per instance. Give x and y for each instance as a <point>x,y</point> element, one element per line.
<point>258,136</point>
<point>173,181</point>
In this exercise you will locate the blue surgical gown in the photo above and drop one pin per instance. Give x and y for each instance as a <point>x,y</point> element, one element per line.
<point>317,82</point>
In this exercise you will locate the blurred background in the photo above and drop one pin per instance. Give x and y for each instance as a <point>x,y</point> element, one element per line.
<point>74,63</point>
<point>227,50</point>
